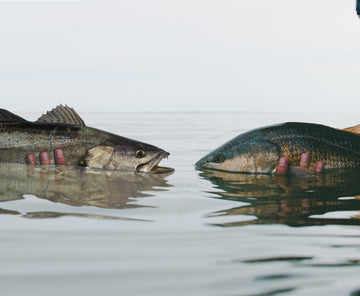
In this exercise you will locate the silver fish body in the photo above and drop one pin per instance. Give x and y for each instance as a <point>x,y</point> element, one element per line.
<point>81,145</point>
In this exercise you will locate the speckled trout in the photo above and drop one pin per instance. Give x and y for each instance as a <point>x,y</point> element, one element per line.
<point>62,128</point>
<point>259,150</point>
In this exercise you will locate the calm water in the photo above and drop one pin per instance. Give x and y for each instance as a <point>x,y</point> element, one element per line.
<point>88,232</point>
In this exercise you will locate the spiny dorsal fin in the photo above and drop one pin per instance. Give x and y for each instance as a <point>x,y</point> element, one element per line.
<point>62,114</point>
<point>6,116</point>
<point>353,129</point>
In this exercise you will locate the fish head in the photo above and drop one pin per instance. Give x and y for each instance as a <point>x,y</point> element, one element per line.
<point>139,158</point>
<point>252,156</point>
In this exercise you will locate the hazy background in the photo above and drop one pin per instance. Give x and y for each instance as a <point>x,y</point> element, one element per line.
<point>188,55</point>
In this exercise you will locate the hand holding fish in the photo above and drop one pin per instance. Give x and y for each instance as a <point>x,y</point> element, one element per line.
<point>45,160</point>
<point>63,131</point>
<point>264,149</point>
<point>283,165</point>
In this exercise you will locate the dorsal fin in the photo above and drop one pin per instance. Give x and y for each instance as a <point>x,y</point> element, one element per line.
<point>6,116</point>
<point>62,114</point>
<point>353,129</point>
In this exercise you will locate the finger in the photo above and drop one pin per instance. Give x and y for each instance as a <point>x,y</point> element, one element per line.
<point>31,159</point>
<point>319,167</point>
<point>282,167</point>
<point>44,158</point>
<point>59,157</point>
<point>304,160</point>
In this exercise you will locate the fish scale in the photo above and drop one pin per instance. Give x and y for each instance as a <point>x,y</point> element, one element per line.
<point>334,147</point>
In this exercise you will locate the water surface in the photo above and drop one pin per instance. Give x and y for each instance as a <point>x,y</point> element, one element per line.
<point>90,232</point>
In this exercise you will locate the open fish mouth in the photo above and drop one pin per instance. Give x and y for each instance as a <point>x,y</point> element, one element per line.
<point>152,165</point>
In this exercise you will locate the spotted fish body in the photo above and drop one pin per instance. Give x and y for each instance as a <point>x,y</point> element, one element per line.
<point>62,128</point>
<point>258,151</point>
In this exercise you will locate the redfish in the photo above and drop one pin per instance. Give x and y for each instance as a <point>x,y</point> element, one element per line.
<point>259,150</point>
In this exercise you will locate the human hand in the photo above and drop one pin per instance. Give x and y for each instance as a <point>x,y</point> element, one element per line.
<point>45,160</point>
<point>283,166</point>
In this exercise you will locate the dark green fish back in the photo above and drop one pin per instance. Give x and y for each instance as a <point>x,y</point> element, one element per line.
<point>335,147</point>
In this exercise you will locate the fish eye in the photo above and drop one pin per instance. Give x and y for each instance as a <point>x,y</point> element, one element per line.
<point>219,158</point>
<point>140,153</point>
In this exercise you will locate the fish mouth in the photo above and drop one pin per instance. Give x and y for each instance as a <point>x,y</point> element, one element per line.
<point>204,164</point>
<point>152,165</point>
<point>199,164</point>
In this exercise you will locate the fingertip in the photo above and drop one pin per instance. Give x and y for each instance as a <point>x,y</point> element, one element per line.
<point>283,161</point>
<point>59,157</point>
<point>319,167</point>
<point>304,160</point>
<point>44,158</point>
<point>282,167</point>
<point>31,159</point>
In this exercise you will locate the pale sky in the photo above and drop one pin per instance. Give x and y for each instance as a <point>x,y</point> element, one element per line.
<point>186,55</point>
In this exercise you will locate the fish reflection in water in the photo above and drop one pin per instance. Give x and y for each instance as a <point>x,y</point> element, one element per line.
<point>290,200</point>
<point>76,186</point>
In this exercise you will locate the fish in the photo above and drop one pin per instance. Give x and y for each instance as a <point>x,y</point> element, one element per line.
<point>291,200</point>
<point>259,150</point>
<point>78,186</point>
<point>62,128</point>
